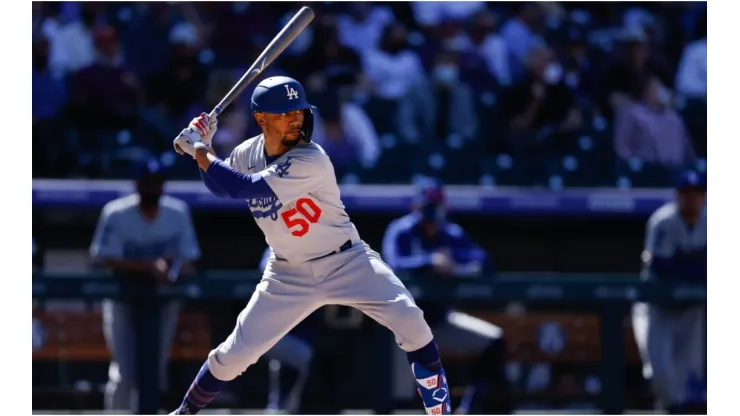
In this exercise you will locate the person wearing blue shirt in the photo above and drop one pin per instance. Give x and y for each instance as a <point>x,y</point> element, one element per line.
<point>426,244</point>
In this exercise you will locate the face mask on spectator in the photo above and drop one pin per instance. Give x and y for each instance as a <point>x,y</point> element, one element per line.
<point>446,74</point>
<point>553,73</point>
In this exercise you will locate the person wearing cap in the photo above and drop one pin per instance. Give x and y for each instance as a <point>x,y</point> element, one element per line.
<point>318,258</point>
<point>145,239</point>
<point>426,244</point>
<point>672,338</point>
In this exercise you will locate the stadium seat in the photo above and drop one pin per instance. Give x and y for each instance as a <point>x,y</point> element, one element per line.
<point>77,336</point>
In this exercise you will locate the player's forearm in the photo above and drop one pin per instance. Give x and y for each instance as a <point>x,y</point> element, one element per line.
<point>234,184</point>
<point>204,157</point>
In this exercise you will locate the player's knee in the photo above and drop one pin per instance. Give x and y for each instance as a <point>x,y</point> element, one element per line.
<point>410,328</point>
<point>228,362</point>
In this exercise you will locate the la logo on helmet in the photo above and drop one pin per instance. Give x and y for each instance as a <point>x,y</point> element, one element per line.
<point>292,93</point>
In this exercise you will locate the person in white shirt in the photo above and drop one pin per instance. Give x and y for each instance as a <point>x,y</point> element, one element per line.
<point>691,79</point>
<point>362,28</point>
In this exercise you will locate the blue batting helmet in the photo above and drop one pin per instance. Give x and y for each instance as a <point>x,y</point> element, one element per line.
<point>276,95</point>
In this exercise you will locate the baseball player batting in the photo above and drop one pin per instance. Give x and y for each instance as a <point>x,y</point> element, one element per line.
<point>672,343</point>
<point>319,258</point>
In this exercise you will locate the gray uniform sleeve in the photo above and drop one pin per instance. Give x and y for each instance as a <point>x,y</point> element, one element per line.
<point>658,241</point>
<point>106,241</point>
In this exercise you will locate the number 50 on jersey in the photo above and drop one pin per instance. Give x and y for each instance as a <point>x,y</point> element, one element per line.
<point>299,219</point>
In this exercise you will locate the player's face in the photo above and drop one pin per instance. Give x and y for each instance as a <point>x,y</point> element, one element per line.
<point>691,200</point>
<point>150,191</point>
<point>286,126</point>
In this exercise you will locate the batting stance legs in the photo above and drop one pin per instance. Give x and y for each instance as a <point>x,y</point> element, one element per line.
<point>288,293</point>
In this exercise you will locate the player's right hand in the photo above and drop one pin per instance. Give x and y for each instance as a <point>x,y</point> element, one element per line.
<point>187,142</point>
<point>205,126</point>
<point>160,268</point>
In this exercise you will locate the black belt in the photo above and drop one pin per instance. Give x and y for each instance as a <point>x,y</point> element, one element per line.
<point>344,247</point>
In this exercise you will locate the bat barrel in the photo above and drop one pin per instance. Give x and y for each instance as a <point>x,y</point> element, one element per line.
<point>278,44</point>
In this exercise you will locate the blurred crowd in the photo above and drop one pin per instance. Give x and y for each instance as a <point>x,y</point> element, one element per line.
<point>533,94</point>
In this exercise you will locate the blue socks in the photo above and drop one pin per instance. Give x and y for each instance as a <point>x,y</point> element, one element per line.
<point>431,382</point>
<point>204,389</point>
<point>427,356</point>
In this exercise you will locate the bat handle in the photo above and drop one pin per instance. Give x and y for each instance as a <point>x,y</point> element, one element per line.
<point>217,110</point>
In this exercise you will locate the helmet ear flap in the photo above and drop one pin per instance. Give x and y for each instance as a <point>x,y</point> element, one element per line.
<point>307,130</point>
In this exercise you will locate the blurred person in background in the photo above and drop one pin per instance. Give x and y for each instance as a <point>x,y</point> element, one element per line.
<point>74,43</point>
<point>146,240</point>
<point>651,131</point>
<point>361,27</point>
<point>290,361</point>
<point>578,69</point>
<point>105,95</point>
<point>521,34</point>
<point>49,96</point>
<point>179,84</point>
<point>673,341</point>
<point>392,71</point>
<point>445,108</point>
<point>231,26</point>
<point>331,60</point>
<point>622,81</point>
<point>429,14</point>
<point>48,23</point>
<point>491,46</point>
<point>691,78</point>
<point>691,84</point>
<point>147,35</point>
<point>427,245</point>
<point>544,118</point>
<point>345,132</point>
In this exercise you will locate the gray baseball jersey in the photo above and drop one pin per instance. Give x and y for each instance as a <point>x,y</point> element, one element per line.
<point>306,217</point>
<point>667,233</point>
<point>672,340</point>
<point>123,233</point>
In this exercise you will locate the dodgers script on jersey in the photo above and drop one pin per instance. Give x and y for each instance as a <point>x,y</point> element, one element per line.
<point>306,217</point>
